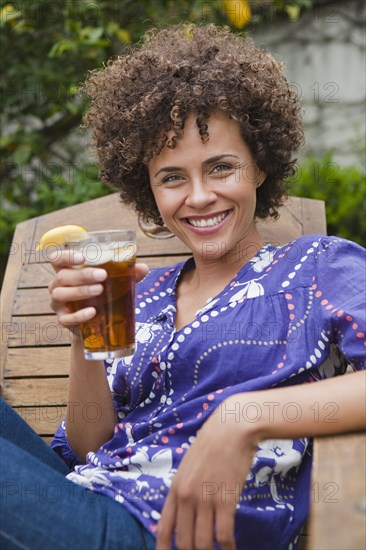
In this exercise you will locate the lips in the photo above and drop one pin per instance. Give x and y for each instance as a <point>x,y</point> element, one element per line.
<point>208,224</point>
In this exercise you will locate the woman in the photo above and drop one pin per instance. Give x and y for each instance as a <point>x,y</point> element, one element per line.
<point>204,437</point>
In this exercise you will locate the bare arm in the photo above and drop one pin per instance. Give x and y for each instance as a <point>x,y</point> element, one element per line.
<point>90,417</point>
<point>327,407</point>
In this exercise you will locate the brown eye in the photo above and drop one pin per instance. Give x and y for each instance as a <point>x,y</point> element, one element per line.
<point>220,168</point>
<point>172,178</point>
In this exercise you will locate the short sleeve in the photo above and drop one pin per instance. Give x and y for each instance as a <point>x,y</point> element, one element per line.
<point>340,294</point>
<point>61,446</point>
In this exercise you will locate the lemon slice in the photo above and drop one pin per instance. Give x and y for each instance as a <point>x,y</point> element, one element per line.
<point>97,254</point>
<point>61,234</point>
<point>125,253</point>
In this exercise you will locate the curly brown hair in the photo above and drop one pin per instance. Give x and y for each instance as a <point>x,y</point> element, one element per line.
<point>141,95</point>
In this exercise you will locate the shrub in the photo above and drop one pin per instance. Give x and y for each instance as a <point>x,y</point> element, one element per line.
<point>55,189</point>
<point>343,190</point>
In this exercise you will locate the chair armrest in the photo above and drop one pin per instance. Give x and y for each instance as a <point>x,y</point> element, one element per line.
<point>338,501</point>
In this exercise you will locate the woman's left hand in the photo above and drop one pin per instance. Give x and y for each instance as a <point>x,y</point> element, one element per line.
<point>201,504</point>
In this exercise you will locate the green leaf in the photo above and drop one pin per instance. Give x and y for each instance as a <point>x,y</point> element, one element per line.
<point>112,27</point>
<point>123,35</point>
<point>72,107</point>
<point>61,47</point>
<point>22,155</point>
<point>9,15</point>
<point>342,189</point>
<point>101,43</point>
<point>293,11</point>
<point>92,33</point>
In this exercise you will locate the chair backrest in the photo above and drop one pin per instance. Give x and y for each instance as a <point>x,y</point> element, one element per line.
<point>35,352</point>
<point>34,348</point>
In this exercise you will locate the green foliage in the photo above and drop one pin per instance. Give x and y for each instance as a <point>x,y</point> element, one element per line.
<point>48,47</point>
<point>57,188</point>
<point>343,190</point>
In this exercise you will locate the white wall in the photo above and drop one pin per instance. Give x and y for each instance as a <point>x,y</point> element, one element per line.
<point>324,54</point>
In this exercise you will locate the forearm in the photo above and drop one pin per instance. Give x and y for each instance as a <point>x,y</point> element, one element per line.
<point>91,416</point>
<point>321,408</point>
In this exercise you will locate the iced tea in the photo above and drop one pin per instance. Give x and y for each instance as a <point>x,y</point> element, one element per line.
<point>111,333</point>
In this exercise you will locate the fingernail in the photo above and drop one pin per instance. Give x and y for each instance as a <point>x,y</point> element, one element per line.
<point>95,289</point>
<point>99,275</point>
<point>88,312</point>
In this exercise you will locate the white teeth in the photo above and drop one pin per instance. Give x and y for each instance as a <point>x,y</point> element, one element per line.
<point>209,222</point>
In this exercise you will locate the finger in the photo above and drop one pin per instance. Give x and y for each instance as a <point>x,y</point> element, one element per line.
<point>166,524</point>
<point>69,319</point>
<point>204,528</point>
<point>224,527</point>
<point>141,270</point>
<point>77,277</point>
<point>87,275</point>
<point>185,524</point>
<point>76,293</point>
<point>65,258</point>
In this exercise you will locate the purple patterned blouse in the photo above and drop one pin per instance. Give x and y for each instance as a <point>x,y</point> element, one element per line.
<point>293,314</point>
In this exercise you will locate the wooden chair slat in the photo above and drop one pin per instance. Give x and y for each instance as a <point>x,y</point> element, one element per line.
<point>35,275</point>
<point>42,330</point>
<point>44,419</point>
<point>94,216</point>
<point>35,391</point>
<point>30,362</point>
<point>98,214</point>
<point>32,301</point>
<point>35,352</point>
<point>38,275</point>
<point>298,217</point>
<point>23,238</point>
<point>338,502</point>
<point>36,300</point>
<point>313,211</point>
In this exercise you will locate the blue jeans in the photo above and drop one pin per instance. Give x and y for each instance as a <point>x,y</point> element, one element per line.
<point>42,510</point>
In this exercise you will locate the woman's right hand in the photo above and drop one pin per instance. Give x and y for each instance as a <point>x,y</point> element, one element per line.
<point>72,285</point>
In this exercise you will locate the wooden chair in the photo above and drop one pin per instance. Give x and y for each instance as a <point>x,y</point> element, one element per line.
<point>35,352</point>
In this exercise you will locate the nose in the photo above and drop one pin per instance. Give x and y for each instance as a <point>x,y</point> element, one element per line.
<point>200,194</point>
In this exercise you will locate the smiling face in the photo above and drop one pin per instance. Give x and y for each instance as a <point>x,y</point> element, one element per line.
<point>206,191</point>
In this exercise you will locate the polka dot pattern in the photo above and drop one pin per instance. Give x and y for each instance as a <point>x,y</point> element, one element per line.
<point>339,313</point>
<point>287,321</point>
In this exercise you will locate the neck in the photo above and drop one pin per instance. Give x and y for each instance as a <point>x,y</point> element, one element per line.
<point>215,267</point>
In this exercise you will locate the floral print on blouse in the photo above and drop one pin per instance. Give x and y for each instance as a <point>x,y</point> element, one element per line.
<point>293,314</point>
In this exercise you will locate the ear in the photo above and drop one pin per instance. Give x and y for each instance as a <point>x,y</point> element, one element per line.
<point>260,178</point>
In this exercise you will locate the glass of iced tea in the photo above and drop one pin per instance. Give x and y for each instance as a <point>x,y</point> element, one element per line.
<point>111,333</point>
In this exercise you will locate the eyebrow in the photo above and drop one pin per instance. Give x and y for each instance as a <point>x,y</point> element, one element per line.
<point>211,160</point>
